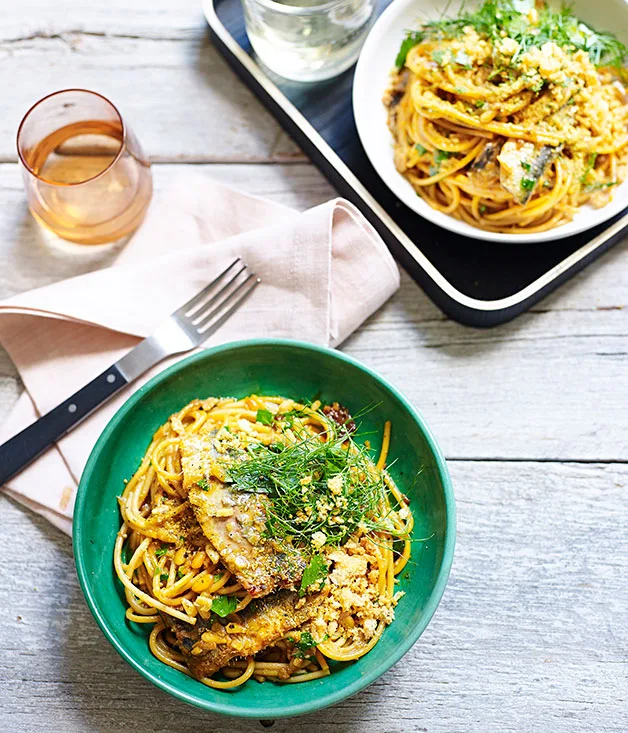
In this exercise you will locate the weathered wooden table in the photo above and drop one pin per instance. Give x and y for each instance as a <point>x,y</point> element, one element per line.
<point>532,634</point>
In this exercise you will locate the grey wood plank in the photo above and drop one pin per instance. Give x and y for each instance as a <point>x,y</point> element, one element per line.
<point>155,61</point>
<point>531,633</point>
<point>35,19</point>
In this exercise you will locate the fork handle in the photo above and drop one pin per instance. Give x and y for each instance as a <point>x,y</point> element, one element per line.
<point>23,448</point>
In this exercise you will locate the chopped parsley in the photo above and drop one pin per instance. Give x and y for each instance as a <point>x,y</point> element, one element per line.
<point>164,577</point>
<point>203,484</point>
<point>410,41</point>
<point>527,184</point>
<point>420,149</point>
<point>498,19</point>
<point>224,605</point>
<point>440,156</point>
<point>159,552</point>
<point>306,641</point>
<point>537,85</point>
<point>313,575</point>
<point>265,417</point>
<point>180,573</point>
<point>482,208</point>
<point>479,103</point>
<point>526,166</point>
<point>304,646</point>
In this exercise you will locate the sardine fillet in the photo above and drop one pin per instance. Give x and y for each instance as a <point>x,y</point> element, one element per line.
<point>234,522</point>
<point>266,621</point>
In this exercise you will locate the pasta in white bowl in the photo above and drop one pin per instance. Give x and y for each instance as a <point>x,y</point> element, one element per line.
<point>502,121</point>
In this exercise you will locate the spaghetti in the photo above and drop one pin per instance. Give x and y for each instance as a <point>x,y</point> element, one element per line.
<point>260,540</point>
<point>510,120</point>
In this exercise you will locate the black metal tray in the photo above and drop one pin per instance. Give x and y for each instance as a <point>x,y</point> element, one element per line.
<point>475,282</point>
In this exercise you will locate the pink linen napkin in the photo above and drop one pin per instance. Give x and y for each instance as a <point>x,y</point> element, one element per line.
<point>323,273</point>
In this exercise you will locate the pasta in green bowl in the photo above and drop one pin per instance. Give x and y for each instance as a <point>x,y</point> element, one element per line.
<point>264,528</point>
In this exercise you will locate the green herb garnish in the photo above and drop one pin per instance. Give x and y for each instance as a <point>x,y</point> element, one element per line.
<point>159,552</point>
<point>588,168</point>
<point>298,480</point>
<point>265,417</point>
<point>164,577</point>
<point>313,575</point>
<point>441,155</point>
<point>526,166</point>
<point>180,573</point>
<point>479,103</point>
<point>598,186</point>
<point>411,40</point>
<point>420,149</point>
<point>527,184</point>
<point>537,85</point>
<point>224,605</point>
<point>497,19</point>
<point>306,641</point>
<point>203,484</point>
<point>304,645</point>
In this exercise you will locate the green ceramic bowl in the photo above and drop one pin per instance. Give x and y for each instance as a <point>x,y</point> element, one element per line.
<point>296,370</point>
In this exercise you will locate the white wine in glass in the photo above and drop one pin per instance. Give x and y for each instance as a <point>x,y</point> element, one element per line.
<point>86,177</point>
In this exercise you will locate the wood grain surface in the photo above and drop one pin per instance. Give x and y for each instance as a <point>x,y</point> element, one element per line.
<point>532,634</point>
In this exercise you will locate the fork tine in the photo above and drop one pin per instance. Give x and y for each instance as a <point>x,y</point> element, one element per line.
<point>198,313</point>
<point>220,314</point>
<point>199,297</point>
<point>222,297</point>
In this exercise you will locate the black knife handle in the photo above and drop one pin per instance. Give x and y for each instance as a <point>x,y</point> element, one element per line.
<point>23,448</point>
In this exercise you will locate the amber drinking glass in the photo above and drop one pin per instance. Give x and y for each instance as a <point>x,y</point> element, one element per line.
<point>86,177</point>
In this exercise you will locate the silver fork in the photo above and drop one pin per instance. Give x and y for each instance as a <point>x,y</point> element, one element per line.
<point>189,326</point>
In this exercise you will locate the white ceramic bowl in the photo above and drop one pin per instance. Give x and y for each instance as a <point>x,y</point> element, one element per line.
<point>372,78</point>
